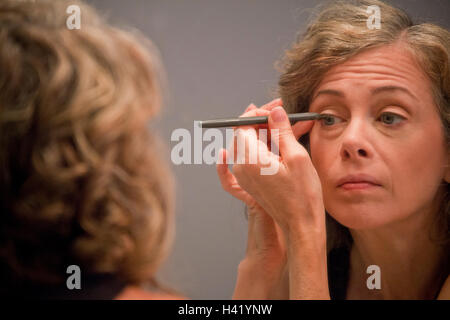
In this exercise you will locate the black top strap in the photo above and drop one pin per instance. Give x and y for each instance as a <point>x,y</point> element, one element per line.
<point>338,270</point>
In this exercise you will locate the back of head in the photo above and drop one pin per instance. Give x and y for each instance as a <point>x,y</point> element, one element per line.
<point>80,179</point>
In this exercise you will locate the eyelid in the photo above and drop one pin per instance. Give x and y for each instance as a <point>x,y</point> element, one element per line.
<point>383,112</point>
<point>327,114</point>
<point>393,113</point>
<point>397,104</point>
<point>340,120</point>
<point>328,107</point>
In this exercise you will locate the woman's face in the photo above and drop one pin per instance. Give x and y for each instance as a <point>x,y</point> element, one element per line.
<point>385,126</point>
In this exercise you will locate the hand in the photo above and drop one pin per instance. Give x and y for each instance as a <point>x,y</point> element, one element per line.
<point>263,272</point>
<point>292,196</point>
<point>295,175</point>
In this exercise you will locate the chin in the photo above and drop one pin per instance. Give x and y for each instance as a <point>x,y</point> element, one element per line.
<point>360,217</point>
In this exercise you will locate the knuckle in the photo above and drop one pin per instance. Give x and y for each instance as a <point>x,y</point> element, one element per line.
<point>262,112</point>
<point>244,170</point>
<point>297,158</point>
<point>226,187</point>
<point>237,170</point>
<point>285,132</point>
<point>280,133</point>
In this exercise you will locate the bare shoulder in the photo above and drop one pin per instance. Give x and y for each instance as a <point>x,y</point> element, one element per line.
<point>137,293</point>
<point>444,294</point>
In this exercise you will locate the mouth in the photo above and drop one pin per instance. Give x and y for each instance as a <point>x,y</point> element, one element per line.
<point>358,185</point>
<point>358,182</point>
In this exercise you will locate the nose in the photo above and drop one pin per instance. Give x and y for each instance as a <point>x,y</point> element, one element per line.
<point>355,144</point>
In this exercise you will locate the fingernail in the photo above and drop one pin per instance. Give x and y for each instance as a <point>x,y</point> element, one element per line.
<point>277,100</point>
<point>278,114</point>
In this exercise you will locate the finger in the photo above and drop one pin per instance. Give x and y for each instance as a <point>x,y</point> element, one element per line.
<point>269,163</point>
<point>252,148</point>
<point>302,127</point>
<point>250,107</point>
<point>253,113</point>
<point>272,104</point>
<point>299,129</point>
<point>247,144</point>
<point>282,134</point>
<point>228,180</point>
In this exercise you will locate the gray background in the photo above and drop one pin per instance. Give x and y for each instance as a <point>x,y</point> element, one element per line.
<point>219,57</point>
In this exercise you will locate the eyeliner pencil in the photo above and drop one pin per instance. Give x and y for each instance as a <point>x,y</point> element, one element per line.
<point>245,121</point>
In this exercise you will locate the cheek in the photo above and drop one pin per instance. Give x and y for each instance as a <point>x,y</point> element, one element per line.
<point>323,154</point>
<point>423,156</point>
<point>316,151</point>
<point>415,179</point>
<point>417,170</point>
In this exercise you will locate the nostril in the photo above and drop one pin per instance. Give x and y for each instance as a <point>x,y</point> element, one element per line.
<point>347,154</point>
<point>362,152</point>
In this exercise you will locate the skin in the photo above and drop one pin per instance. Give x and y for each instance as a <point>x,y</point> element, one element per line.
<point>134,292</point>
<point>390,222</point>
<point>404,149</point>
<point>266,248</point>
<point>295,227</point>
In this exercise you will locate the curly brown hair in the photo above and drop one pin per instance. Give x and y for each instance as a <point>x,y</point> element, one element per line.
<point>339,32</point>
<point>81,181</point>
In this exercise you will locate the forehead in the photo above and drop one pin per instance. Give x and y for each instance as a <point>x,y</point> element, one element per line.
<point>390,64</point>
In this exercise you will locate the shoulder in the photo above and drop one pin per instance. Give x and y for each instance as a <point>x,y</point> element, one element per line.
<point>444,294</point>
<point>137,293</point>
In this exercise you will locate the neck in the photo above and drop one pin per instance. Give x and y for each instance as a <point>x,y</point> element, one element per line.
<point>412,266</point>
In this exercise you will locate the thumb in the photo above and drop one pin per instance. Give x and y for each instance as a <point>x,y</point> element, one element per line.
<point>282,136</point>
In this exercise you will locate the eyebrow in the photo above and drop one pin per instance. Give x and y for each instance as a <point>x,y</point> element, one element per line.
<point>393,88</point>
<point>330,92</point>
<point>374,91</point>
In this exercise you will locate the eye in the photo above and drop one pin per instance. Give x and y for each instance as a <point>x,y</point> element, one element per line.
<point>389,118</point>
<point>329,120</point>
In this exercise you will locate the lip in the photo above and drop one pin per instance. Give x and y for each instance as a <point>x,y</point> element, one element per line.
<point>358,181</point>
<point>358,186</point>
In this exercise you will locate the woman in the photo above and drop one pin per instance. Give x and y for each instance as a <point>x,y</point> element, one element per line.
<point>369,186</point>
<point>81,183</point>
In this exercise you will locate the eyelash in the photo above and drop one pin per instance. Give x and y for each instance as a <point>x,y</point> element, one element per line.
<point>330,116</point>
